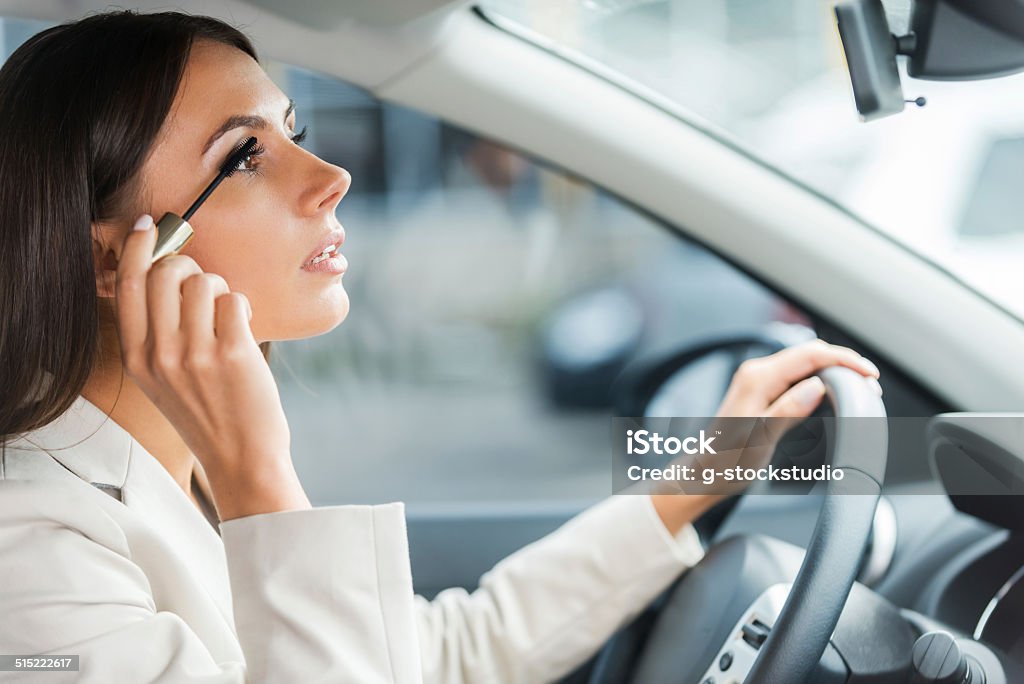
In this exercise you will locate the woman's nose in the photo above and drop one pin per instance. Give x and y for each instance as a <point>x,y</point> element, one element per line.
<point>326,186</point>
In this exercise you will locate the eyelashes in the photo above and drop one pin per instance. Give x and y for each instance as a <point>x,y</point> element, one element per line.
<point>246,164</point>
<point>253,155</point>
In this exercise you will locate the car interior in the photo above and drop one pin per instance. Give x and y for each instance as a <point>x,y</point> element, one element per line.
<point>548,240</point>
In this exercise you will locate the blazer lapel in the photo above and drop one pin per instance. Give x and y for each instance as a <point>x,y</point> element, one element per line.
<point>87,442</point>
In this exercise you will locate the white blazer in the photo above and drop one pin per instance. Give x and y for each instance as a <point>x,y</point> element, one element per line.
<point>102,555</point>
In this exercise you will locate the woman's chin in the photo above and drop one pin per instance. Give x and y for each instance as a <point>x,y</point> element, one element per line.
<point>333,315</point>
<point>328,316</point>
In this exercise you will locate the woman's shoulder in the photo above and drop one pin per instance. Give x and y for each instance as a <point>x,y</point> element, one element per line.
<point>36,511</point>
<point>65,474</point>
<point>83,445</point>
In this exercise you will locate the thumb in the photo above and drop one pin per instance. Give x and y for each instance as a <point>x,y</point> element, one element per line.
<point>795,404</point>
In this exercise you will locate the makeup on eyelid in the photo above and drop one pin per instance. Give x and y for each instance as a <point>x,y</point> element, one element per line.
<point>258,151</point>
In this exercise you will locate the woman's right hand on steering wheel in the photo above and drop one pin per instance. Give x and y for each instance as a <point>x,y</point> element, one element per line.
<point>186,341</point>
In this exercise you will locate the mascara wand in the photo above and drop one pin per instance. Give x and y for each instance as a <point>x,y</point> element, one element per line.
<point>173,231</point>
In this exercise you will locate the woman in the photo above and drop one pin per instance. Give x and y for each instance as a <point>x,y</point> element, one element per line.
<point>151,521</point>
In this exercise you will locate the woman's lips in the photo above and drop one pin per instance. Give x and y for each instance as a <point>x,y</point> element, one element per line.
<point>336,238</point>
<point>336,263</point>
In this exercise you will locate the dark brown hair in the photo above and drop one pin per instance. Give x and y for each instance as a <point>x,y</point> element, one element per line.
<point>80,108</point>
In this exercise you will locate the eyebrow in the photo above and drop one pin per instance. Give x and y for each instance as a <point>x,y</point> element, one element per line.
<point>243,121</point>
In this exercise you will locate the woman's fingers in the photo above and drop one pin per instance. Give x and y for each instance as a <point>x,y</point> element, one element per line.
<point>233,315</point>
<point>795,404</point>
<point>198,293</point>
<point>130,289</point>
<point>812,356</point>
<point>163,296</point>
<point>764,384</point>
<point>775,374</point>
<point>799,401</point>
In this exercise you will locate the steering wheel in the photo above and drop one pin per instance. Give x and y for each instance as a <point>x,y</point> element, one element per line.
<point>736,615</point>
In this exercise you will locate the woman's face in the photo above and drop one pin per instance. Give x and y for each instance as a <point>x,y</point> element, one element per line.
<point>260,226</point>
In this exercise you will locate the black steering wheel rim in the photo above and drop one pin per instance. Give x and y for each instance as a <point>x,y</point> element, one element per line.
<point>826,574</point>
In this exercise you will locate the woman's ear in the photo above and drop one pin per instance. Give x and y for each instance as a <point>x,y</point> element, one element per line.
<point>105,258</point>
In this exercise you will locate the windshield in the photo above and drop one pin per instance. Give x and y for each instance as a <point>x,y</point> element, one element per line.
<point>769,75</point>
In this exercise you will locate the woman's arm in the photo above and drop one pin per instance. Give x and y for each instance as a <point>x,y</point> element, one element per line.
<point>541,612</point>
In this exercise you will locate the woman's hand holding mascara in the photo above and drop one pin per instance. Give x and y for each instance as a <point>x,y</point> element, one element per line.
<point>187,343</point>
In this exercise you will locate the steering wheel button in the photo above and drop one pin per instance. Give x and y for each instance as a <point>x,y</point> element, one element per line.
<point>755,633</point>
<point>725,662</point>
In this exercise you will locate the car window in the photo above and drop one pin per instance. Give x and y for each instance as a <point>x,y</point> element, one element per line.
<point>493,302</point>
<point>14,32</point>
<point>769,77</point>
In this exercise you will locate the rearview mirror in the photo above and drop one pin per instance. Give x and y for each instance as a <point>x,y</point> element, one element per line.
<point>870,51</point>
<point>949,40</point>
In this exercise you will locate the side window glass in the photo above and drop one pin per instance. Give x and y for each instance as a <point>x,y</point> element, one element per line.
<point>493,301</point>
<point>14,32</point>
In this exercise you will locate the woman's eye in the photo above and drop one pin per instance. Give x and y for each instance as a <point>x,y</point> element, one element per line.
<point>250,162</point>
